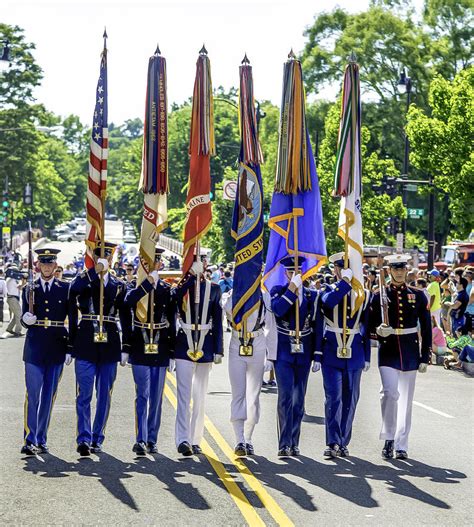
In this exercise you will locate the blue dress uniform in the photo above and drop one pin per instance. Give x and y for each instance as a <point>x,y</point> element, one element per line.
<point>149,369</point>
<point>95,362</point>
<point>401,355</point>
<point>341,376</point>
<point>194,360</point>
<point>292,369</point>
<point>46,345</point>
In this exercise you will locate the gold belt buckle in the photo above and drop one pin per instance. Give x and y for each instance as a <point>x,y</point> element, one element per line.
<point>195,355</point>
<point>151,349</point>
<point>246,350</point>
<point>100,337</point>
<point>344,353</point>
<point>297,347</point>
<point>47,323</point>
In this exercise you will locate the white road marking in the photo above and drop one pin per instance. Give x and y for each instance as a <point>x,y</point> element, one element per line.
<point>426,407</point>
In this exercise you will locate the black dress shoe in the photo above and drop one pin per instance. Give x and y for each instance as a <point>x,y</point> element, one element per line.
<point>401,454</point>
<point>284,452</point>
<point>139,449</point>
<point>43,449</point>
<point>185,449</point>
<point>152,448</point>
<point>83,449</point>
<point>387,450</point>
<point>332,451</point>
<point>250,449</point>
<point>96,448</point>
<point>240,450</point>
<point>197,450</point>
<point>344,451</point>
<point>295,451</point>
<point>28,450</point>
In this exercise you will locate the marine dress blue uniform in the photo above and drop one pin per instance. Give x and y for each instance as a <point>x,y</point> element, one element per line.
<point>194,358</point>
<point>149,369</point>
<point>341,376</point>
<point>46,345</point>
<point>95,362</point>
<point>292,369</point>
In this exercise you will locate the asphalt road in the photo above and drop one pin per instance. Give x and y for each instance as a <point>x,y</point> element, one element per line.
<point>433,487</point>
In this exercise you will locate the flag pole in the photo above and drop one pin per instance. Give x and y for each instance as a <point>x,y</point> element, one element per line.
<point>297,306</point>
<point>197,295</point>
<point>101,336</point>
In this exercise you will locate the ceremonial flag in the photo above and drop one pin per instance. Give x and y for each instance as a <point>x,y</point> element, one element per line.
<point>201,148</point>
<point>99,150</point>
<point>154,176</point>
<point>348,182</point>
<point>296,219</point>
<point>247,221</point>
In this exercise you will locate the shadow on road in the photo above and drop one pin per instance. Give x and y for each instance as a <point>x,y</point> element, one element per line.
<point>111,472</point>
<point>349,478</point>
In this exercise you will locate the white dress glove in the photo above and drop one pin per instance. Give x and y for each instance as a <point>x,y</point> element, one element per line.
<point>105,263</point>
<point>155,275</point>
<point>297,280</point>
<point>172,365</point>
<point>197,268</point>
<point>366,366</point>
<point>124,359</point>
<point>384,331</point>
<point>316,366</point>
<point>217,358</point>
<point>67,359</point>
<point>346,273</point>
<point>268,366</point>
<point>29,319</point>
<point>422,367</point>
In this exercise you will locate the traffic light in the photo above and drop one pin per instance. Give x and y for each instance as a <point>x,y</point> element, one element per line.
<point>5,207</point>
<point>212,193</point>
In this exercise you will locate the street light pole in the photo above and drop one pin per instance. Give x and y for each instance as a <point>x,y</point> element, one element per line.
<point>405,84</point>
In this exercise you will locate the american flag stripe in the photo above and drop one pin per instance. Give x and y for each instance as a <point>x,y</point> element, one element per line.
<point>97,181</point>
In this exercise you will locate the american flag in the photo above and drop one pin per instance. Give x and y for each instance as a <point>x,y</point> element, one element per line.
<point>97,181</point>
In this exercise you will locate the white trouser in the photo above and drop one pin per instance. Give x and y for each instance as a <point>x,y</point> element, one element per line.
<point>192,379</point>
<point>396,397</point>
<point>245,375</point>
<point>437,316</point>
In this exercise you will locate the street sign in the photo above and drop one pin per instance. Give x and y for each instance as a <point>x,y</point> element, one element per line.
<point>6,231</point>
<point>230,189</point>
<point>415,213</point>
<point>411,188</point>
<point>399,242</point>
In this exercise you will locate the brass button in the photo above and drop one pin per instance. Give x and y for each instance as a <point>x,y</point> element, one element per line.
<point>401,325</point>
<point>401,318</point>
<point>45,301</point>
<point>46,309</point>
<point>401,311</point>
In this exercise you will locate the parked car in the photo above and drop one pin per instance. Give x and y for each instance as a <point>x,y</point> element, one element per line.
<point>72,237</point>
<point>129,237</point>
<point>59,230</point>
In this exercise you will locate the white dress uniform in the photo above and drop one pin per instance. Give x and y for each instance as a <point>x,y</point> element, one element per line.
<point>246,372</point>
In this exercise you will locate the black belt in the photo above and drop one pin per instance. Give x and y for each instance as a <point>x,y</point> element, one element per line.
<point>13,296</point>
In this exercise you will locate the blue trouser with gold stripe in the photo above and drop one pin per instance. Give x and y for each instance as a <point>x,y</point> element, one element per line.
<point>342,388</point>
<point>149,384</point>
<point>104,377</point>
<point>41,386</point>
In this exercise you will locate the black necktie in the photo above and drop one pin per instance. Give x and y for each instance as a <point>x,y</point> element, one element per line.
<point>46,286</point>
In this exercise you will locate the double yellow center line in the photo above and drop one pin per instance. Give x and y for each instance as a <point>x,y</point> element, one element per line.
<point>248,511</point>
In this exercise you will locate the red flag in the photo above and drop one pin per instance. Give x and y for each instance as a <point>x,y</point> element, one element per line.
<point>202,146</point>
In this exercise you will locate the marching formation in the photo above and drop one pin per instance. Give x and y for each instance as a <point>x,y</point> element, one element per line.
<point>277,321</point>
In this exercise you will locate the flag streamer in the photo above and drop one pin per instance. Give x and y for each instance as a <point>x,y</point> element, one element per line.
<point>99,149</point>
<point>201,147</point>
<point>154,176</point>
<point>247,221</point>
<point>293,162</point>
<point>348,180</point>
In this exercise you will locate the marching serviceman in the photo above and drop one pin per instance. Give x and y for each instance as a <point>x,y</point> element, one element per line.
<point>401,319</point>
<point>45,351</point>
<point>342,359</point>
<point>149,346</point>
<point>294,353</point>
<point>96,350</point>
<point>199,344</point>
<point>247,360</point>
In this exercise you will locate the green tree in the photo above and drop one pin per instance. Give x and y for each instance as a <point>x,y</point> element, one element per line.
<point>441,144</point>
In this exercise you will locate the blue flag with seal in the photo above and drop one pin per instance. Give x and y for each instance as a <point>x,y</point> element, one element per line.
<point>296,219</point>
<point>247,221</point>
